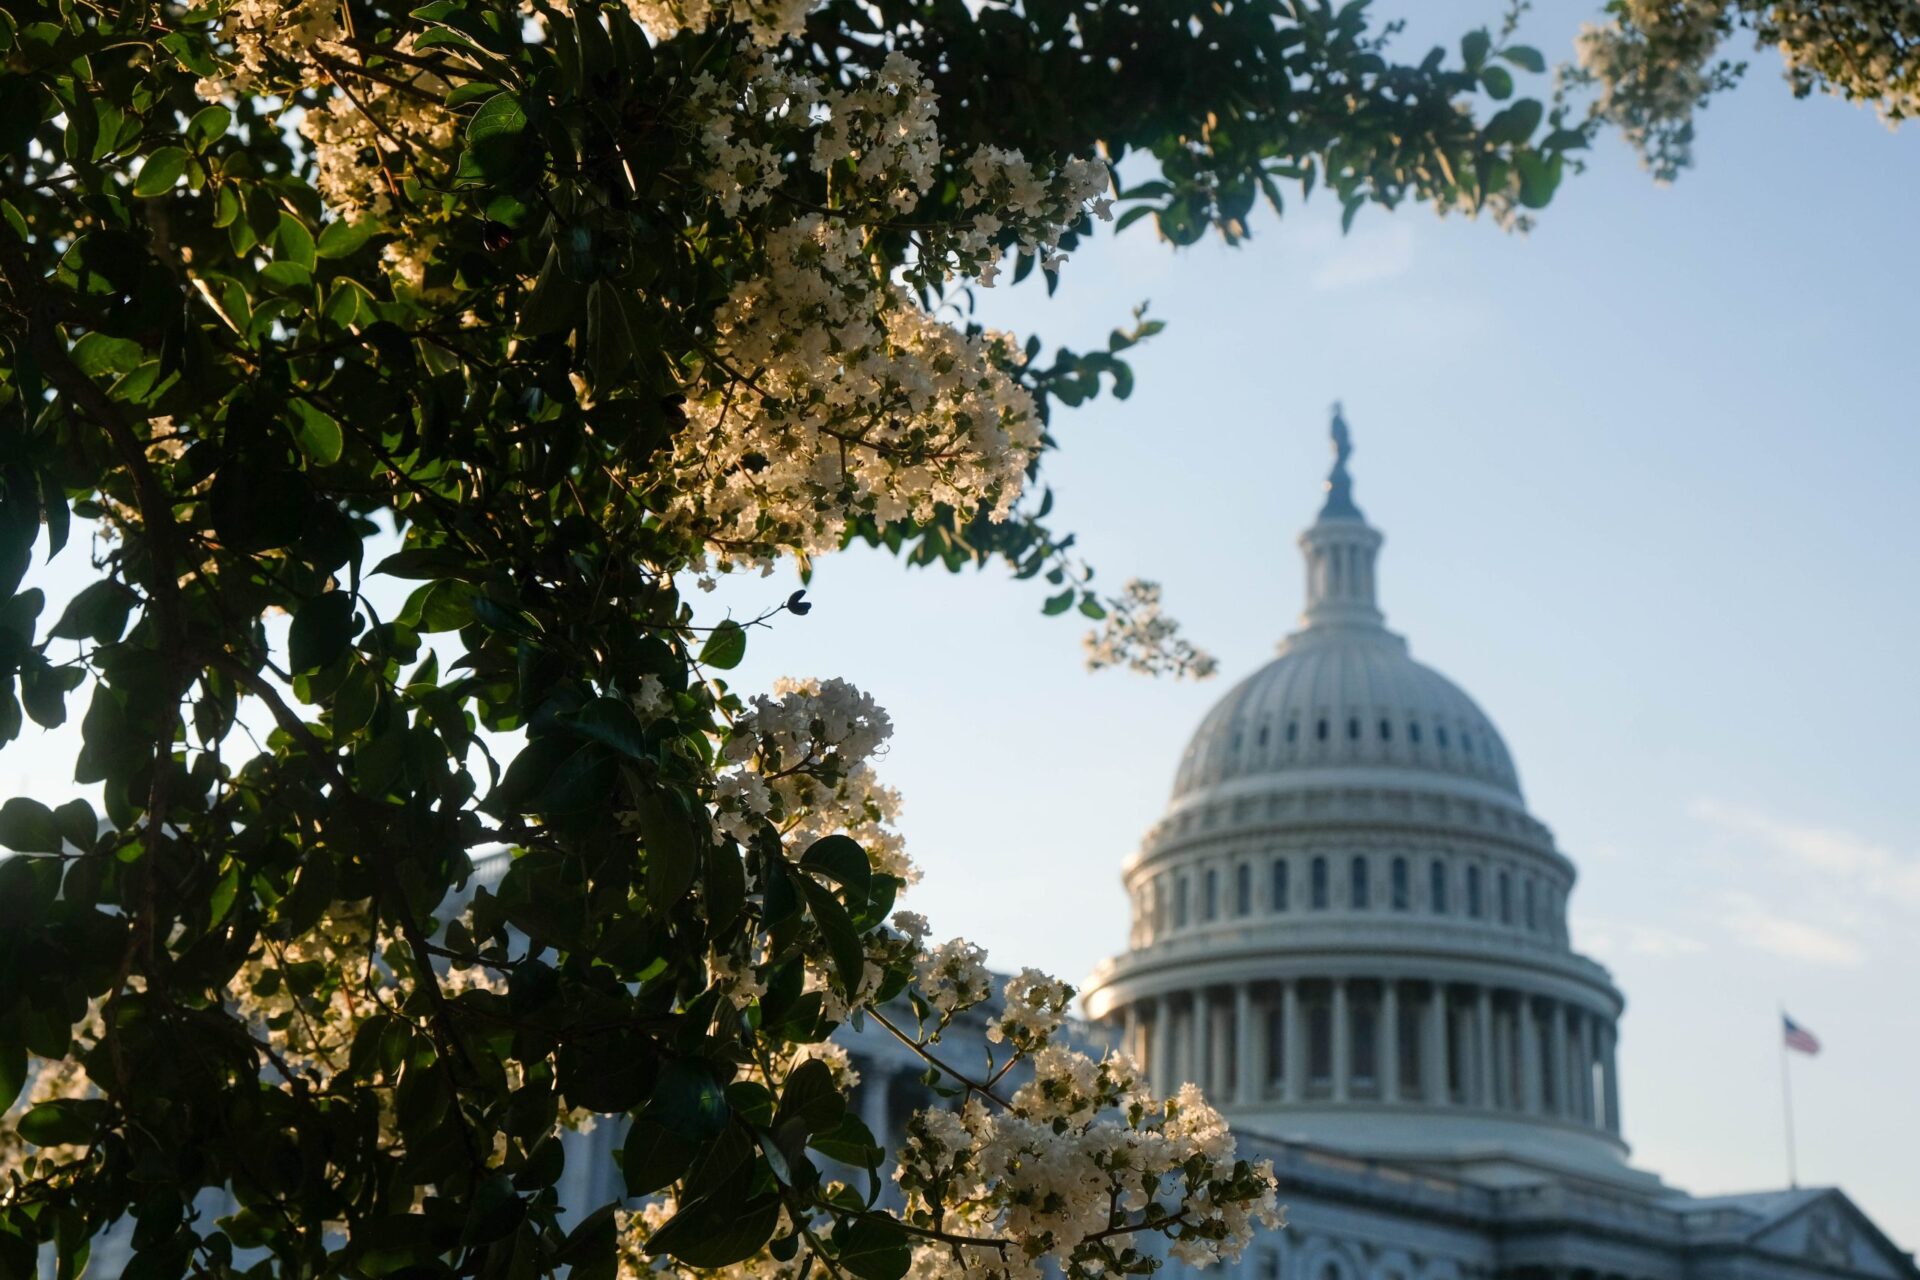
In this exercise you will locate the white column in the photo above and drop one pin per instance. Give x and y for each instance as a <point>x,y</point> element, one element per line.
<point>1586,1069</point>
<point>1433,1062</point>
<point>1483,1047</point>
<point>1198,1037</point>
<point>1387,1043</point>
<point>1557,1056</point>
<point>1293,1049</point>
<point>1342,1030</point>
<point>1246,1039</point>
<point>1160,1058</point>
<point>1219,1052</point>
<point>1610,1064</point>
<point>1529,1031</point>
<point>874,1102</point>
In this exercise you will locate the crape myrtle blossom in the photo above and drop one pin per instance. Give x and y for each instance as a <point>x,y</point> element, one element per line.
<point>1137,635</point>
<point>1653,62</point>
<point>803,760</point>
<point>1072,1170</point>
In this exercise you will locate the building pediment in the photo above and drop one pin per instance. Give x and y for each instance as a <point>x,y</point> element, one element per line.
<point>1829,1231</point>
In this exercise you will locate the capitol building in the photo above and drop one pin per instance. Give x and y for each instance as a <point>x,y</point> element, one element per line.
<point>1350,931</point>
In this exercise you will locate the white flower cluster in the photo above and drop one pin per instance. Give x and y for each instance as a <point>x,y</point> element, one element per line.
<point>1036,1004</point>
<point>833,394</point>
<point>50,1080</point>
<point>1650,65</point>
<point>1136,634</point>
<point>264,31</point>
<point>1082,1163</point>
<point>842,398</point>
<point>1651,61</point>
<point>1003,190</point>
<point>804,757</point>
<point>307,994</point>
<point>362,139</point>
<point>953,977</point>
<point>769,21</point>
<point>1865,50</point>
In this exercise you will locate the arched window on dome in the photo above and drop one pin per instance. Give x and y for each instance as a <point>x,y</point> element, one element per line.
<point>1466,742</point>
<point>1386,729</point>
<point>1473,892</point>
<point>1506,898</point>
<point>1320,729</point>
<point>1437,887</point>
<point>1278,889</point>
<point>1264,734</point>
<point>1527,902</point>
<point>1318,877</point>
<point>1353,728</point>
<point>1357,884</point>
<point>1293,731</point>
<point>1400,889</point>
<point>1180,903</point>
<point>1210,896</point>
<point>1243,889</point>
<point>1159,906</point>
<point>1413,732</point>
<point>1440,735</point>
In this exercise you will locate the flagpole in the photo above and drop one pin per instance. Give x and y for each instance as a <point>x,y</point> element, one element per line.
<point>1786,1098</point>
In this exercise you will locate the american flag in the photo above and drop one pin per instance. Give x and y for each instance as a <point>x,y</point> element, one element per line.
<point>1798,1037</point>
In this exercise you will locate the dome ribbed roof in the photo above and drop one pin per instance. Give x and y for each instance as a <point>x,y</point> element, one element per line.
<point>1344,694</point>
<point>1341,698</point>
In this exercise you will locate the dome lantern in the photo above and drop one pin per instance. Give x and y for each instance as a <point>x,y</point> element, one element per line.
<point>1340,549</point>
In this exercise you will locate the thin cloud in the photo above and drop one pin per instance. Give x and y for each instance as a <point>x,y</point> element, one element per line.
<point>1616,938</point>
<point>1367,257</point>
<point>1846,859</point>
<point>1754,924</point>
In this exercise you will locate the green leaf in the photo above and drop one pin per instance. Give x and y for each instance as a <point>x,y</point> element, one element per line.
<point>62,1122</point>
<point>808,1096</point>
<point>726,646</point>
<point>1474,47</point>
<point>1516,123</point>
<point>161,170</point>
<point>27,826</point>
<point>843,941</point>
<point>612,721</point>
<point>78,823</point>
<point>494,134</point>
<point>97,613</point>
<point>875,1248</point>
<point>1059,604</point>
<point>706,1234</point>
<point>1498,82</point>
<point>321,631</point>
<point>1525,57</point>
<point>317,433</point>
<point>293,242</point>
<point>842,858</point>
<point>285,277</point>
<point>13,1072</point>
<point>653,1156</point>
<point>672,848</point>
<point>688,1102</point>
<point>342,237</point>
<point>208,126</point>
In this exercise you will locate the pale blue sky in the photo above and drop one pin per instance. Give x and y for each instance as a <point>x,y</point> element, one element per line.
<point>1648,482</point>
